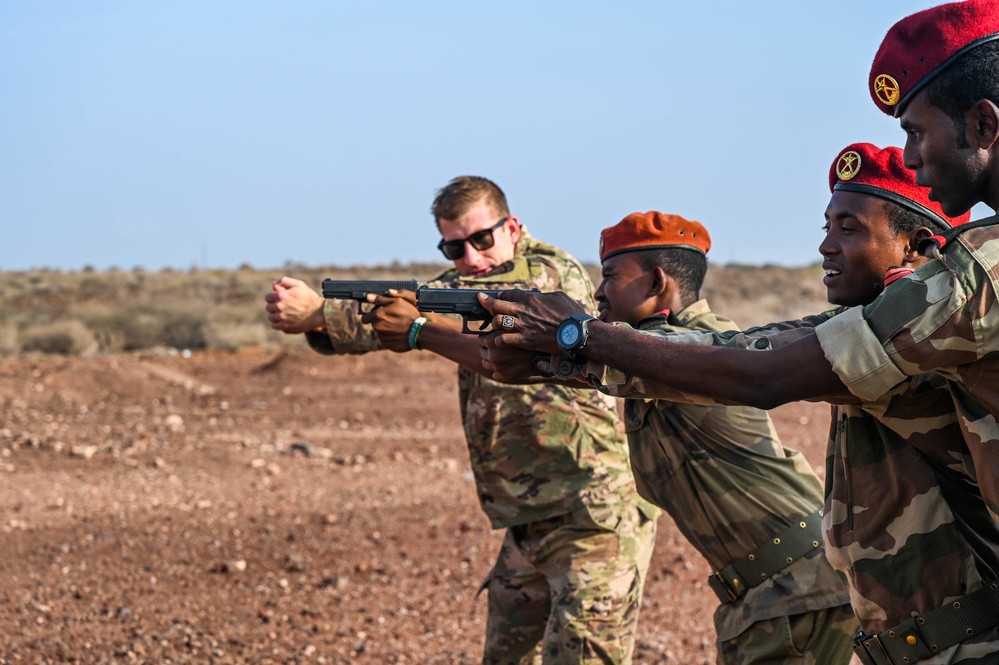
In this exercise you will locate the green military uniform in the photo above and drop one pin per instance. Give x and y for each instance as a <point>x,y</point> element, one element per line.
<point>943,318</point>
<point>731,487</point>
<point>904,523</point>
<point>550,466</point>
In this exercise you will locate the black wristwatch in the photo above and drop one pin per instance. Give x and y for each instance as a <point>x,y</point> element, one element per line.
<point>572,333</point>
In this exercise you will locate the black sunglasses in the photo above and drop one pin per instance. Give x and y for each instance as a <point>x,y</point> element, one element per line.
<point>480,240</point>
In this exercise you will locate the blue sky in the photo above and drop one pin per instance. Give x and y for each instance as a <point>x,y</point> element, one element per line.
<point>212,134</point>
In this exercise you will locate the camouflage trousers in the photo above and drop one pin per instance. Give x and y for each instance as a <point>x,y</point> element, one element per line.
<point>568,589</point>
<point>820,637</point>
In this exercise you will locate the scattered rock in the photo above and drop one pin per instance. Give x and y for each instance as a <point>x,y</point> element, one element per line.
<point>83,452</point>
<point>174,423</point>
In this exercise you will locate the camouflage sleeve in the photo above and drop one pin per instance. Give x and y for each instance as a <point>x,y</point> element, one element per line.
<point>939,318</point>
<point>763,338</point>
<point>344,331</point>
<point>760,338</point>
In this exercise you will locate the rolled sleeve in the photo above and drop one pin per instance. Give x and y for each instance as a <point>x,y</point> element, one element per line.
<point>344,331</point>
<point>857,356</point>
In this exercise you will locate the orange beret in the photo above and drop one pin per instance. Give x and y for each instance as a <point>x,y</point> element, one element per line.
<point>653,230</point>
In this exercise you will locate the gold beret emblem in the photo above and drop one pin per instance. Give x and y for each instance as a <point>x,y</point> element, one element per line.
<point>886,88</point>
<point>848,165</point>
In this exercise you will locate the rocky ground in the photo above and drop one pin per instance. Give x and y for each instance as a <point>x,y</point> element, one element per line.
<point>268,506</point>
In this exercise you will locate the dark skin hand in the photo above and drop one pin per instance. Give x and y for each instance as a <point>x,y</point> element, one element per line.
<point>762,379</point>
<point>393,316</point>
<point>537,316</point>
<point>511,364</point>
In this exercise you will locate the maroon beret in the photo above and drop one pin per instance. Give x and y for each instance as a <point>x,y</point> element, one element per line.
<point>653,230</point>
<point>922,45</point>
<point>867,169</point>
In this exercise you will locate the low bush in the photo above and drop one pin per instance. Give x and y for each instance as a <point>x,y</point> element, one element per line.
<point>9,344</point>
<point>232,336</point>
<point>76,312</point>
<point>184,329</point>
<point>68,338</point>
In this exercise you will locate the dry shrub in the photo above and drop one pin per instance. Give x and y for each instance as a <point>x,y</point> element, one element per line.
<point>246,287</point>
<point>9,345</point>
<point>69,338</point>
<point>136,310</point>
<point>231,336</point>
<point>141,331</point>
<point>184,329</point>
<point>106,320</point>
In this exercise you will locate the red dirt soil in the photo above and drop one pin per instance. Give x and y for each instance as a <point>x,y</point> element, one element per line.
<point>269,506</point>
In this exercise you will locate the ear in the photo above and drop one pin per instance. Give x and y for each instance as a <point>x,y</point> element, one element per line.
<point>514,225</point>
<point>661,282</point>
<point>985,118</point>
<point>911,255</point>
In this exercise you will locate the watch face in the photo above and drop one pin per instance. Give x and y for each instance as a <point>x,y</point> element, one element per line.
<point>568,335</point>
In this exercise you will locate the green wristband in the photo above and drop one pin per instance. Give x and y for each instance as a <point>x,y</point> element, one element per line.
<point>414,331</point>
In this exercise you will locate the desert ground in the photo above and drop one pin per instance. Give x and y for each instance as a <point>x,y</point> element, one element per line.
<point>249,501</point>
<point>268,506</point>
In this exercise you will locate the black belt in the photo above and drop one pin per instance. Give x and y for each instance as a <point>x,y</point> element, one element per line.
<point>773,556</point>
<point>926,635</point>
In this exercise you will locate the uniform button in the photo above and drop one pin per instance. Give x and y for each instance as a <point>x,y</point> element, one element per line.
<point>762,343</point>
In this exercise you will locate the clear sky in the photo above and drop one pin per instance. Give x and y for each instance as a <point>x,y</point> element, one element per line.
<point>213,134</point>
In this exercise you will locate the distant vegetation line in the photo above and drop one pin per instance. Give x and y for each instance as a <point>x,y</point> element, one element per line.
<point>88,311</point>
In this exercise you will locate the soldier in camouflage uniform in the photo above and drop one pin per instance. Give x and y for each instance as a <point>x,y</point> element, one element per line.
<point>895,465</point>
<point>720,471</point>
<point>938,71</point>
<point>905,523</point>
<point>550,462</point>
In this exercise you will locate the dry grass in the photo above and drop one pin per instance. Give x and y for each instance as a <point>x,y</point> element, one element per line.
<point>76,313</point>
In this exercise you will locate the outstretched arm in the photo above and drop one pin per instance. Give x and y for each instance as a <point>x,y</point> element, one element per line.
<point>393,316</point>
<point>765,380</point>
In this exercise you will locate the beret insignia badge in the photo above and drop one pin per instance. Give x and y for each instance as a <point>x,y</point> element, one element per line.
<point>886,88</point>
<point>848,165</point>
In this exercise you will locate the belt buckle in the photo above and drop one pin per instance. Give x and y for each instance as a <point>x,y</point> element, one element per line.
<point>869,649</point>
<point>725,591</point>
<point>881,649</point>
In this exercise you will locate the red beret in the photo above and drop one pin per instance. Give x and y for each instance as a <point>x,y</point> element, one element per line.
<point>653,230</point>
<point>867,169</point>
<point>920,46</point>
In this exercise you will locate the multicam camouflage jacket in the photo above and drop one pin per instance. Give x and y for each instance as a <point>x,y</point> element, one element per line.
<point>537,451</point>
<point>903,522</point>
<point>943,318</point>
<point>730,485</point>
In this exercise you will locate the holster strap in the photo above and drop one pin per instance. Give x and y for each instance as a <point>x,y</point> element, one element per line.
<point>773,556</point>
<point>926,635</point>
